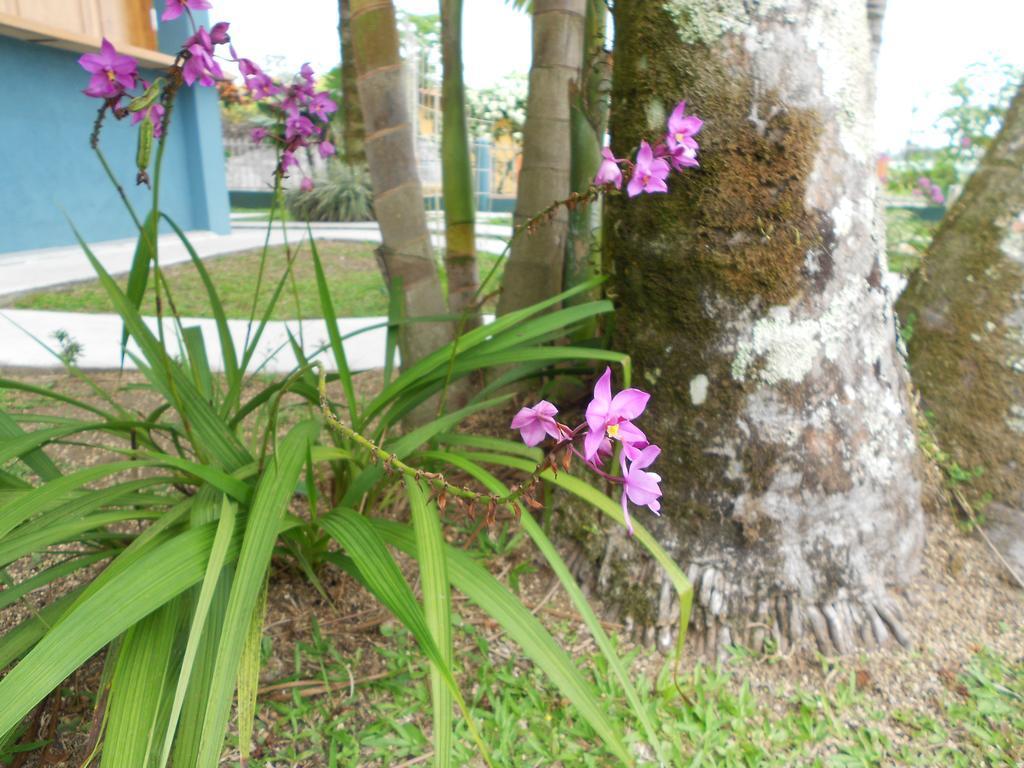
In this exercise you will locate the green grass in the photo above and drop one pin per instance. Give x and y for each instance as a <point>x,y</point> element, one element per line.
<point>356,285</point>
<point>907,238</point>
<point>713,719</point>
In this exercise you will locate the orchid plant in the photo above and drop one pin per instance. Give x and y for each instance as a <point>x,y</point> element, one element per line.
<point>302,113</point>
<point>648,174</point>
<point>608,418</point>
<point>223,490</point>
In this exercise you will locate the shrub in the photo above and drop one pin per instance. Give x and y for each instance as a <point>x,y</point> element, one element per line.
<point>344,194</point>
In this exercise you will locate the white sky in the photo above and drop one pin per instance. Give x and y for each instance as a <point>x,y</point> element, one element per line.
<point>927,45</point>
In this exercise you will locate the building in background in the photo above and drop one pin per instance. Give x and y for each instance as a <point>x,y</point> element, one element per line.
<point>49,173</point>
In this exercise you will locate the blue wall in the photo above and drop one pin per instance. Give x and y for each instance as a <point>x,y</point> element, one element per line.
<point>48,172</point>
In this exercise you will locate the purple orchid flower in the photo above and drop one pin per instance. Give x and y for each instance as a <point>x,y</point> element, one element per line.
<point>936,193</point>
<point>649,173</point>
<point>608,172</point>
<point>641,488</point>
<point>610,417</point>
<point>259,83</point>
<point>111,72</point>
<point>683,157</point>
<point>288,160</point>
<point>201,38</point>
<point>174,8</point>
<point>298,126</point>
<point>534,422</point>
<point>682,128</point>
<point>306,185</point>
<point>219,33</point>
<point>326,149</point>
<point>259,134</point>
<point>322,106</point>
<point>201,65</point>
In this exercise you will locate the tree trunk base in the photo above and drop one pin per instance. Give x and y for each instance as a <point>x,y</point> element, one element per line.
<point>722,617</point>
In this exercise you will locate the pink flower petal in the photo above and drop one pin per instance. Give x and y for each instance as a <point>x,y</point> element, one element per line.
<point>629,403</point>
<point>592,444</point>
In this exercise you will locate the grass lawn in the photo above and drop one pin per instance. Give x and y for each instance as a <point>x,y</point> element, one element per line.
<point>357,288</point>
<point>712,720</point>
<point>907,238</point>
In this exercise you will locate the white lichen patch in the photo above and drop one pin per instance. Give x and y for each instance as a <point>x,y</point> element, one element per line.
<point>699,389</point>
<point>842,217</point>
<point>787,348</point>
<point>838,34</point>
<point>1015,420</point>
<point>1012,244</point>
<point>656,115</point>
<point>705,21</point>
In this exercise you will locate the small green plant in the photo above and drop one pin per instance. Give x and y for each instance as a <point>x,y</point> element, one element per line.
<point>70,349</point>
<point>343,194</point>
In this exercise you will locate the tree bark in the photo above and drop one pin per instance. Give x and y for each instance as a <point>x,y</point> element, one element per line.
<point>406,255</point>
<point>876,15</point>
<point>753,306</point>
<point>963,312</point>
<point>535,264</point>
<point>456,173</point>
<point>353,131</point>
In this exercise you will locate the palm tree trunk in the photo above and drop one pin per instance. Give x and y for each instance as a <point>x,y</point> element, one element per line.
<point>963,316</point>
<point>353,132</point>
<point>456,173</point>
<point>535,265</point>
<point>588,123</point>
<point>752,304</point>
<point>406,256</point>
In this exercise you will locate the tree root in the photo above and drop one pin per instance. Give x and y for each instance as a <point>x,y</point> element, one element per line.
<point>721,619</point>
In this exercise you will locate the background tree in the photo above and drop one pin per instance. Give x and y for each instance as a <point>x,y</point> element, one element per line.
<point>588,124</point>
<point>535,265</point>
<point>753,306</point>
<point>457,174</point>
<point>963,313</point>
<point>406,255</point>
<point>352,129</point>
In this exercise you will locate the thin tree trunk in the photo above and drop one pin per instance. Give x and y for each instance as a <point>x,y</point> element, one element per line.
<point>753,307</point>
<point>876,15</point>
<point>353,131</point>
<point>588,124</point>
<point>963,314</point>
<point>405,256</point>
<point>535,265</point>
<point>456,172</point>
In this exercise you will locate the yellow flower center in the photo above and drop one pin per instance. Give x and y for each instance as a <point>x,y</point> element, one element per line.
<point>111,76</point>
<point>680,137</point>
<point>613,430</point>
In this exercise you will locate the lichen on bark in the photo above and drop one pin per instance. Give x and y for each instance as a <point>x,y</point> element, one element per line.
<point>791,492</point>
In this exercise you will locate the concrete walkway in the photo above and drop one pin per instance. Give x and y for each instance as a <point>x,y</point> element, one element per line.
<point>27,337</point>
<point>27,341</point>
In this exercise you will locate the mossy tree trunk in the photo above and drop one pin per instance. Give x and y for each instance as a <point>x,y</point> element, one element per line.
<point>536,262</point>
<point>457,173</point>
<point>405,256</point>
<point>964,315</point>
<point>752,303</point>
<point>353,132</point>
